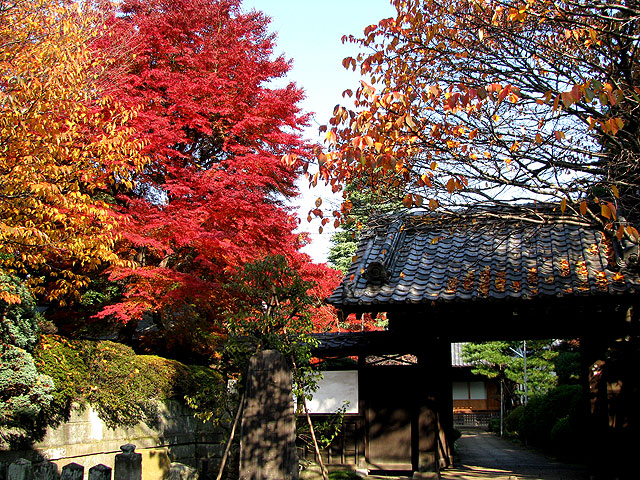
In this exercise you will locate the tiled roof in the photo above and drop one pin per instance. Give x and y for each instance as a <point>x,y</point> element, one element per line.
<point>413,259</point>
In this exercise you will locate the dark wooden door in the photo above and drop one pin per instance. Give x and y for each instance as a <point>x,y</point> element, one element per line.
<point>389,415</point>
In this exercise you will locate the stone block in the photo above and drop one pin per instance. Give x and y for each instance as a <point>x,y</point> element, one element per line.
<point>45,471</point>
<point>72,471</point>
<point>128,464</point>
<point>268,434</point>
<point>21,469</point>
<point>155,463</point>
<point>100,472</point>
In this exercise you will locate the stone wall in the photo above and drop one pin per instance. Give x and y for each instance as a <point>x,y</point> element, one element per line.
<point>85,439</point>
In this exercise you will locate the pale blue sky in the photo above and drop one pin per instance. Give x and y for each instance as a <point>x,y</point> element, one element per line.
<point>310,34</point>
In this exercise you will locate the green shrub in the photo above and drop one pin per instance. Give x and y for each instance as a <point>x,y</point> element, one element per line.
<point>513,421</point>
<point>24,391</point>
<point>344,475</point>
<point>553,421</point>
<point>543,412</point>
<point>494,425</point>
<point>124,388</point>
<point>18,317</point>
<point>567,437</point>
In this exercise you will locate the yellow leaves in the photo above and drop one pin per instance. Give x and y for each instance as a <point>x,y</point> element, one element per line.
<point>559,134</point>
<point>424,180</point>
<point>563,205</point>
<point>615,191</point>
<point>67,144</point>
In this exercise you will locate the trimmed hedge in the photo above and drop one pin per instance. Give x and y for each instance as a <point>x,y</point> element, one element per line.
<point>124,388</point>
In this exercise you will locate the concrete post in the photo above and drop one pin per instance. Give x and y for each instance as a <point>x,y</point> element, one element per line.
<point>21,469</point>
<point>100,472</point>
<point>72,471</point>
<point>128,464</point>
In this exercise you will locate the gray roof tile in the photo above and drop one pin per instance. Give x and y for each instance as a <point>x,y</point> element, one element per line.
<point>428,259</point>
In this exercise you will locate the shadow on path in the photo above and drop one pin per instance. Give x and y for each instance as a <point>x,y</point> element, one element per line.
<point>485,456</point>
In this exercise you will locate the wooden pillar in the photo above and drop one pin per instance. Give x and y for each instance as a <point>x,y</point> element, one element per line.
<point>433,410</point>
<point>609,369</point>
<point>445,402</point>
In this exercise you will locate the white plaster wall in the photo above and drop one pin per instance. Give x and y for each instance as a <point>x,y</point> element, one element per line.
<point>335,388</point>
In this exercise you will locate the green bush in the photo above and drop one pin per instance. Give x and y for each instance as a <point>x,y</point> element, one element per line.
<point>24,391</point>
<point>543,412</point>
<point>567,437</point>
<point>552,421</point>
<point>512,422</point>
<point>494,425</point>
<point>344,475</point>
<point>18,317</point>
<point>124,388</point>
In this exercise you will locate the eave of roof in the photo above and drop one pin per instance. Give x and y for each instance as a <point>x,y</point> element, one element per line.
<point>427,262</point>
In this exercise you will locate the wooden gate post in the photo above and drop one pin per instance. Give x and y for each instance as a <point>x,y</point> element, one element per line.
<point>433,410</point>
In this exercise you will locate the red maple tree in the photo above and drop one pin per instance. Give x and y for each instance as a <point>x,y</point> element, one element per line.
<point>215,125</point>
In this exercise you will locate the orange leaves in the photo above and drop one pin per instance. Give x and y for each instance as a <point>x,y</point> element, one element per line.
<point>583,207</point>
<point>424,180</point>
<point>349,62</point>
<point>615,191</point>
<point>608,211</point>
<point>367,90</point>
<point>633,233</point>
<point>456,183</point>
<point>290,159</point>
<point>331,137</point>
